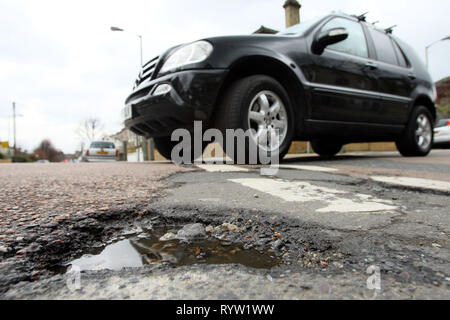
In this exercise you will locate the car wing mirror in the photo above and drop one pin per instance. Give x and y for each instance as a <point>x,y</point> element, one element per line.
<point>328,37</point>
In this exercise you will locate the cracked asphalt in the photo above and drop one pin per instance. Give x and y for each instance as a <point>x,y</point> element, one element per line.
<point>328,220</point>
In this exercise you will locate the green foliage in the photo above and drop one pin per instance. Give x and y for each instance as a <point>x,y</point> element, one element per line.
<point>2,156</point>
<point>444,109</point>
<point>21,158</point>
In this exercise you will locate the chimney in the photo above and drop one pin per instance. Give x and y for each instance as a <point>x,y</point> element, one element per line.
<point>292,8</point>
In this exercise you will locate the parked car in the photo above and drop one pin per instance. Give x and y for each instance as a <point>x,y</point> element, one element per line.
<point>332,81</point>
<point>100,151</point>
<point>442,133</point>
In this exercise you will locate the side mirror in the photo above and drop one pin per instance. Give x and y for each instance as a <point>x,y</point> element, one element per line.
<point>328,37</point>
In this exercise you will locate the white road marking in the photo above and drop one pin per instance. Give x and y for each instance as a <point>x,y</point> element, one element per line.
<point>221,168</point>
<point>415,182</point>
<point>230,168</point>
<point>347,205</point>
<point>300,191</point>
<point>291,191</point>
<point>309,168</point>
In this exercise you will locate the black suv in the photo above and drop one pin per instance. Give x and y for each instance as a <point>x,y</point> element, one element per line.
<point>332,81</point>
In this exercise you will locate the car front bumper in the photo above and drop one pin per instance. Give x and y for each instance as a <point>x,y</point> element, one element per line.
<point>100,159</point>
<point>442,138</point>
<point>192,96</point>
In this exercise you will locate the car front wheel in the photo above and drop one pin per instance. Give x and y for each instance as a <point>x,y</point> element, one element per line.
<point>417,139</point>
<point>260,106</point>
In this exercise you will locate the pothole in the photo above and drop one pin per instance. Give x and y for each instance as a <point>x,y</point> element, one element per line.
<point>146,248</point>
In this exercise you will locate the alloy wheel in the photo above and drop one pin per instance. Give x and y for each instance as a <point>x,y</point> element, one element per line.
<point>268,121</point>
<point>423,132</point>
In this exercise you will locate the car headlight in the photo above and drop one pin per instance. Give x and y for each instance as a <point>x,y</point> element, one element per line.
<point>189,54</point>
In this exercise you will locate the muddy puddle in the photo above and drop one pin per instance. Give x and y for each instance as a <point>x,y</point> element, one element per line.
<point>146,248</point>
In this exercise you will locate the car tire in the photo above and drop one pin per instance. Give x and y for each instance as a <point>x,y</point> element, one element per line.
<point>417,139</point>
<point>165,145</point>
<point>261,103</point>
<point>326,148</point>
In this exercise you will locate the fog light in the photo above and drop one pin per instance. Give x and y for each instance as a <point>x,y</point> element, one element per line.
<point>162,89</point>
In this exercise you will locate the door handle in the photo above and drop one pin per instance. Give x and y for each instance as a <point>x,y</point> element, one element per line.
<point>372,65</point>
<point>412,76</point>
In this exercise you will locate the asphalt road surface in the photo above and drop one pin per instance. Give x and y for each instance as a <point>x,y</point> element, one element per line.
<point>361,226</point>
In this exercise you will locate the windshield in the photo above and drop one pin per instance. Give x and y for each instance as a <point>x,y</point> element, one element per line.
<point>103,145</point>
<point>299,29</point>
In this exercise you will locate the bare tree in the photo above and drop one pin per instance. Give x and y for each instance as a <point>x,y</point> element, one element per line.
<point>89,130</point>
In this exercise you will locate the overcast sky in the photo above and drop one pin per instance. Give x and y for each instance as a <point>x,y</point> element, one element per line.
<point>61,63</point>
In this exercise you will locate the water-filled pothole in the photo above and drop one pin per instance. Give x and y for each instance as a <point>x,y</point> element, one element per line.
<point>146,248</point>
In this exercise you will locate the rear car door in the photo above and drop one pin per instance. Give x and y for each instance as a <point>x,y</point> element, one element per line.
<point>342,80</point>
<point>395,80</point>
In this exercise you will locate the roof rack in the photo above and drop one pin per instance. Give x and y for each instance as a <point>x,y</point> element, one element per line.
<point>361,17</point>
<point>390,29</point>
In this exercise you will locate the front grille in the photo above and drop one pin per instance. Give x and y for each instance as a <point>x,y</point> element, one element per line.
<point>147,71</point>
<point>139,94</point>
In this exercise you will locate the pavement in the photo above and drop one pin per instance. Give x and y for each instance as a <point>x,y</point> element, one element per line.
<point>360,226</point>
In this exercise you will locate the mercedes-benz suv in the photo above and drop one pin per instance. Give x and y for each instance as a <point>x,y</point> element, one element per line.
<point>332,81</point>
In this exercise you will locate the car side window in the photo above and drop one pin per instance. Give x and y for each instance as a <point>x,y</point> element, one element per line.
<point>355,44</point>
<point>401,57</point>
<point>384,47</point>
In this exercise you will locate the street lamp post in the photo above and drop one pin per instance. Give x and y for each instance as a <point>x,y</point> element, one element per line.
<point>14,123</point>
<point>429,46</point>
<point>146,146</point>
<point>116,29</point>
<point>14,115</point>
